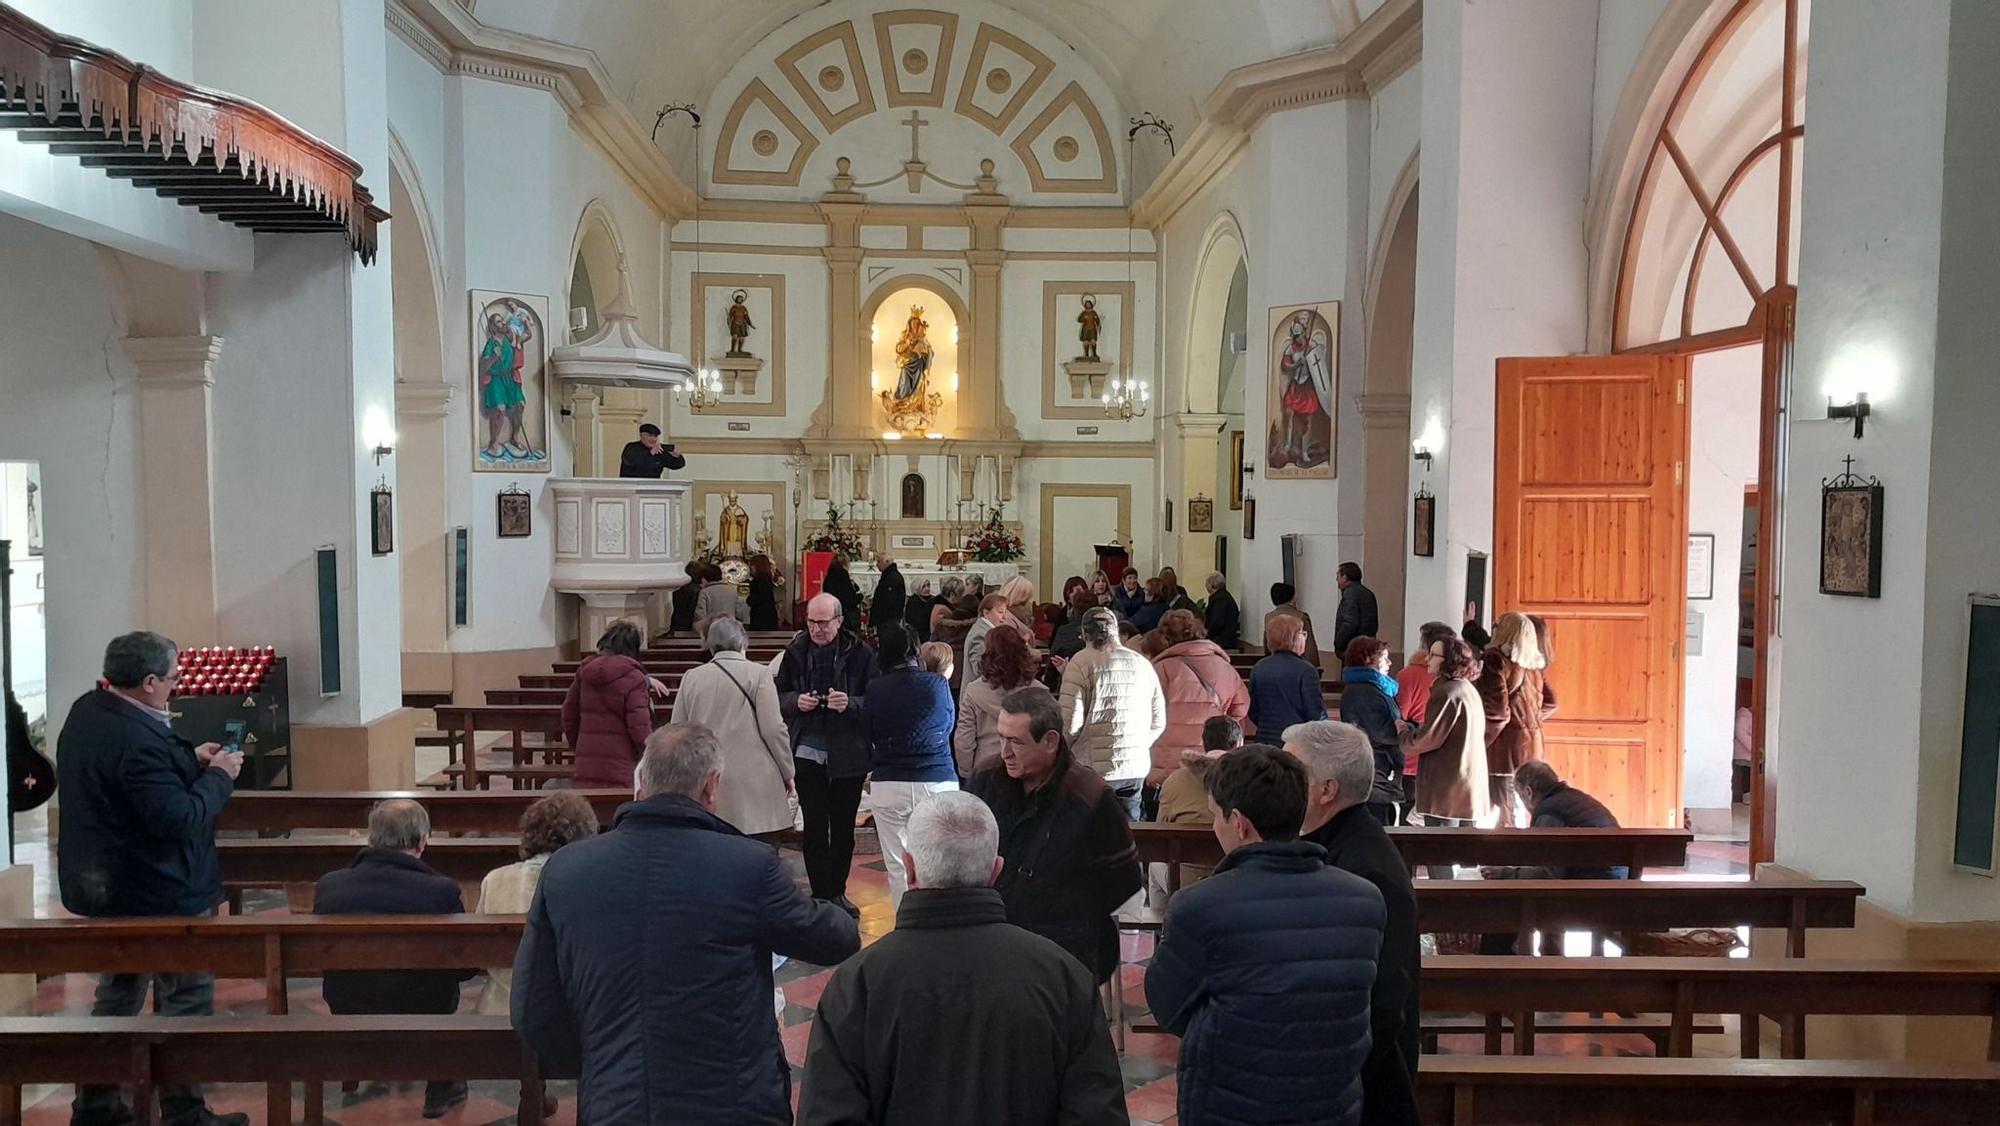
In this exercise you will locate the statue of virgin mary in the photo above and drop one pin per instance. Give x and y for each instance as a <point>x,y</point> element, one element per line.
<point>913,357</point>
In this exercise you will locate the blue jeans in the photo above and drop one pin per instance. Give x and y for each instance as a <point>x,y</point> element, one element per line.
<point>124,995</point>
<point>1129,792</point>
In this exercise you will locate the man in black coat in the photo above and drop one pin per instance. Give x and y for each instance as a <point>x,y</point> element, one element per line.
<point>1063,833</point>
<point>890,595</point>
<point>389,877</point>
<point>1340,763</point>
<point>958,1016</point>
<point>645,965</point>
<point>139,805</point>
<point>1555,804</point>
<point>1223,619</point>
<point>647,457</point>
<point>1356,616</point>
<point>822,688</point>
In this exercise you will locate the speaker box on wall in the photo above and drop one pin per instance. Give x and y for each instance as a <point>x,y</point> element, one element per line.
<point>1288,559</point>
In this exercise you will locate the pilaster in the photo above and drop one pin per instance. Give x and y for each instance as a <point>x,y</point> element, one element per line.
<point>177,466</point>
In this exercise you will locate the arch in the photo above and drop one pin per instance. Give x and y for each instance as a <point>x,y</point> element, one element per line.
<point>1716,86</point>
<point>417,289</point>
<point>597,253</point>
<point>1223,249</point>
<point>1390,324</point>
<point>929,282</point>
<point>417,208</point>
<point>1402,196</point>
<point>424,390</point>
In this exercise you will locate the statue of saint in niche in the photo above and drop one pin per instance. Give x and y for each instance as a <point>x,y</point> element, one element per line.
<point>1089,325</point>
<point>913,357</point>
<point>735,527</point>
<point>739,323</point>
<point>913,496</point>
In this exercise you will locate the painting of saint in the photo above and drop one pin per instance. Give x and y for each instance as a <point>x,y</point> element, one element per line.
<point>1303,390</point>
<point>509,383</point>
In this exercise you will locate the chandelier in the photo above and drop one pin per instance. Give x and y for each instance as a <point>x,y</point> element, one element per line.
<point>1127,398</point>
<point>703,392</point>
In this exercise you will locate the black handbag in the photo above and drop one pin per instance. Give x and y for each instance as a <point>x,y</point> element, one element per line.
<point>31,777</point>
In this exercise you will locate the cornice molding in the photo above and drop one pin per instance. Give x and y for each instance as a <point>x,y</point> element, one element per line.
<point>455,42</point>
<point>174,361</point>
<point>1385,45</point>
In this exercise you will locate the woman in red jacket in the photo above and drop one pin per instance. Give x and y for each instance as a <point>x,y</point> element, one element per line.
<point>609,711</point>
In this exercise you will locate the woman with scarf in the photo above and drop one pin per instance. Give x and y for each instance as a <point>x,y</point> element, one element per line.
<point>1368,701</point>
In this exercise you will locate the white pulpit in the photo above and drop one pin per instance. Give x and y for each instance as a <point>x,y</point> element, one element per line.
<point>619,542</point>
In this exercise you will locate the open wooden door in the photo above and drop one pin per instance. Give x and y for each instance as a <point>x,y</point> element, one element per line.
<point>1590,533</point>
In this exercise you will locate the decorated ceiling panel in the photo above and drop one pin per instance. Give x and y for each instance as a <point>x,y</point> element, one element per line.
<point>914,100</point>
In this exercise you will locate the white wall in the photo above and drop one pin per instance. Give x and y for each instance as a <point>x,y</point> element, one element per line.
<point>70,405</point>
<point>1723,395</point>
<point>159,33</point>
<point>1500,262</point>
<point>1847,749</point>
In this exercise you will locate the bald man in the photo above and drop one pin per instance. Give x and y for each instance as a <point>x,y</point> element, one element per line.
<point>822,686</point>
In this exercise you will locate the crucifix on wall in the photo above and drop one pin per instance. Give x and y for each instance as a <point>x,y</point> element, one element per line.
<point>915,166</point>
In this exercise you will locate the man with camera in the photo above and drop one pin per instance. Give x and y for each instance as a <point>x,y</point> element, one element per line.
<point>647,457</point>
<point>822,685</point>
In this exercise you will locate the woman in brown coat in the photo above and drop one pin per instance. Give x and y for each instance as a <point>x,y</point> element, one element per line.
<point>1451,745</point>
<point>1515,693</point>
<point>608,712</point>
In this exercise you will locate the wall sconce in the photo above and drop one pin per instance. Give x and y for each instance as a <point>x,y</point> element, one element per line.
<point>378,433</point>
<point>1421,452</point>
<point>1856,410</point>
<point>381,451</point>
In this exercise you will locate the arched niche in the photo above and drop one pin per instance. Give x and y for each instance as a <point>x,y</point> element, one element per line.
<point>597,267</point>
<point>1222,256</point>
<point>883,316</point>
<point>1389,489</point>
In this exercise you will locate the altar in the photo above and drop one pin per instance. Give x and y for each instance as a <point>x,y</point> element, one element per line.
<point>916,574</point>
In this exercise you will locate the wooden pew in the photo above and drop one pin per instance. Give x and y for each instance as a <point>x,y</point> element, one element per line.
<point>553,697</point>
<point>1636,849</point>
<point>451,811</point>
<point>149,1052</point>
<point>1522,907</point>
<point>1683,987</point>
<point>275,863</point>
<point>464,722</point>
<point>1512,1091</point>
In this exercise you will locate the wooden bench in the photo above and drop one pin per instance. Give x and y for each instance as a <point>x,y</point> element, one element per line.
<point>553,697</point>
<point>454,811</point>
<point>1683,987</point>
<point>1522,907</point>
<point>149,1052</point>
<point>517,720</point>
<point>276,863</point>
<point>1512,1091</point>
<point>1635,849</point>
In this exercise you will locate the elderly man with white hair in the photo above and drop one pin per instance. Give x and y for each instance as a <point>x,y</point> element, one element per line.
<point>822,687</point>
<point>957,1015</point>
<point>1340,768</point>
<point>645,964</point>
<point>1222,618</point>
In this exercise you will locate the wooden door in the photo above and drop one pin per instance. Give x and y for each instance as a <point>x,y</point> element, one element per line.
<point>1590,533</point>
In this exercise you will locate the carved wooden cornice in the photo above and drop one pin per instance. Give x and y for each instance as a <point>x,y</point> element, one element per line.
<point>230,156</point>
<point>454,41</point>
<point>1382,47</point>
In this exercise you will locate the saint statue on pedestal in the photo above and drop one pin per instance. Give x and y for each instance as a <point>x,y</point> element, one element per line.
<point>1089,323</point>
<point>735,526</point>
<point>739,323</point>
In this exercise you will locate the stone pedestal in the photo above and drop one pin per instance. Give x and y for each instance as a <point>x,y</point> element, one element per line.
<point>739,373</point>
<point>1086,378</point>
<point>618,543</point>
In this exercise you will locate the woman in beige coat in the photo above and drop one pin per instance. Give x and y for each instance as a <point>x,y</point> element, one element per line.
<point>736,698</point>
<point>546,826</point>
<point>1451,745</point>
<point>1006,663</point>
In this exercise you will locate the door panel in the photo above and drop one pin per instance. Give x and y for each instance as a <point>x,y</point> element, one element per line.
<point>1590,528</point>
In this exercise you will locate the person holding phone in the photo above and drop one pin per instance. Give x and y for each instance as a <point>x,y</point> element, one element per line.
<point>139,805</point>
<point>822,682</point>
<point>647,457</point>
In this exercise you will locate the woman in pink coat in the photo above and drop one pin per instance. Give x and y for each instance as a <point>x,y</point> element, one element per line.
<point>1199,682</point>
<point>609,711</point>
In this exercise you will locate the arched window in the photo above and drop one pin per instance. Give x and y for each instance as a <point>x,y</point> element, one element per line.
<point>1713,234</point>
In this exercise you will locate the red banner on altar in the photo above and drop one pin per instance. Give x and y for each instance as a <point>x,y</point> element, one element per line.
<point>812,574</point>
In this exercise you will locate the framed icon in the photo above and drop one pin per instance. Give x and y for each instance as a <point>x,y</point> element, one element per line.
<point>1423,526</point>
<point>1249,518</point>
<point>516,513</point>
<point>1236,471</point>
<point>1201,514</point>
<point>382,520</point>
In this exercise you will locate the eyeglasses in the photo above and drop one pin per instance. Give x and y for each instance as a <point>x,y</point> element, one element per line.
<point>823,621</point>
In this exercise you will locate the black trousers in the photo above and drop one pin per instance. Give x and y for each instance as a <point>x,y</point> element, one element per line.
<point>828,806</point>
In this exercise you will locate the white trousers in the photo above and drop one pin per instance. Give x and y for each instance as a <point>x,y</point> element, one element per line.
<point>892,803</point>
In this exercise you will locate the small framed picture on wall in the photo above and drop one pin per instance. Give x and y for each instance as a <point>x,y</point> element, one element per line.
<point>1249,518</point>
<point>382,521</point>
<point>516,513</point>
<point>1201,514</point>
<point>1423,526</point>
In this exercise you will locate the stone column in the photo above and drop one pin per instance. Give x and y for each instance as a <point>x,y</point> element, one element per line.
<point>422,526</point>
<point>587,437</point>
<point>177,468</point>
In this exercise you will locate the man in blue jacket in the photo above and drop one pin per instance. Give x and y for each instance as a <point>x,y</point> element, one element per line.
<point>139,805</point>
<point>1264,969</point>
<point>645,964</point>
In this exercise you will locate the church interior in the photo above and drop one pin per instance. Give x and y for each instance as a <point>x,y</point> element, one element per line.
<point>328,329</point>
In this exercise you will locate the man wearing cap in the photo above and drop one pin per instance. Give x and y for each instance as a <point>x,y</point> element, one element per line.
<point>647,457</point>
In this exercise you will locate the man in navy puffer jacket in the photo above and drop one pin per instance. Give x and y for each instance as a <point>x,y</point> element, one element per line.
<point>1264,969</point>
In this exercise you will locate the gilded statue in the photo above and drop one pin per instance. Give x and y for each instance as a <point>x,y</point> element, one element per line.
<point>735,526</point>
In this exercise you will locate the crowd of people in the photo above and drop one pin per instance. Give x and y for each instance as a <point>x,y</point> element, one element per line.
<point>1002,779</point>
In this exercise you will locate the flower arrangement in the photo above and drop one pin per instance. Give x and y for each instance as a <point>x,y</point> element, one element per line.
<point>834,538</point>
<point>992,542</point>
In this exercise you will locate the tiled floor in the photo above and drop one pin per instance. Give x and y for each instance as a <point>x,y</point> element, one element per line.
<point>1148,1060</point>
